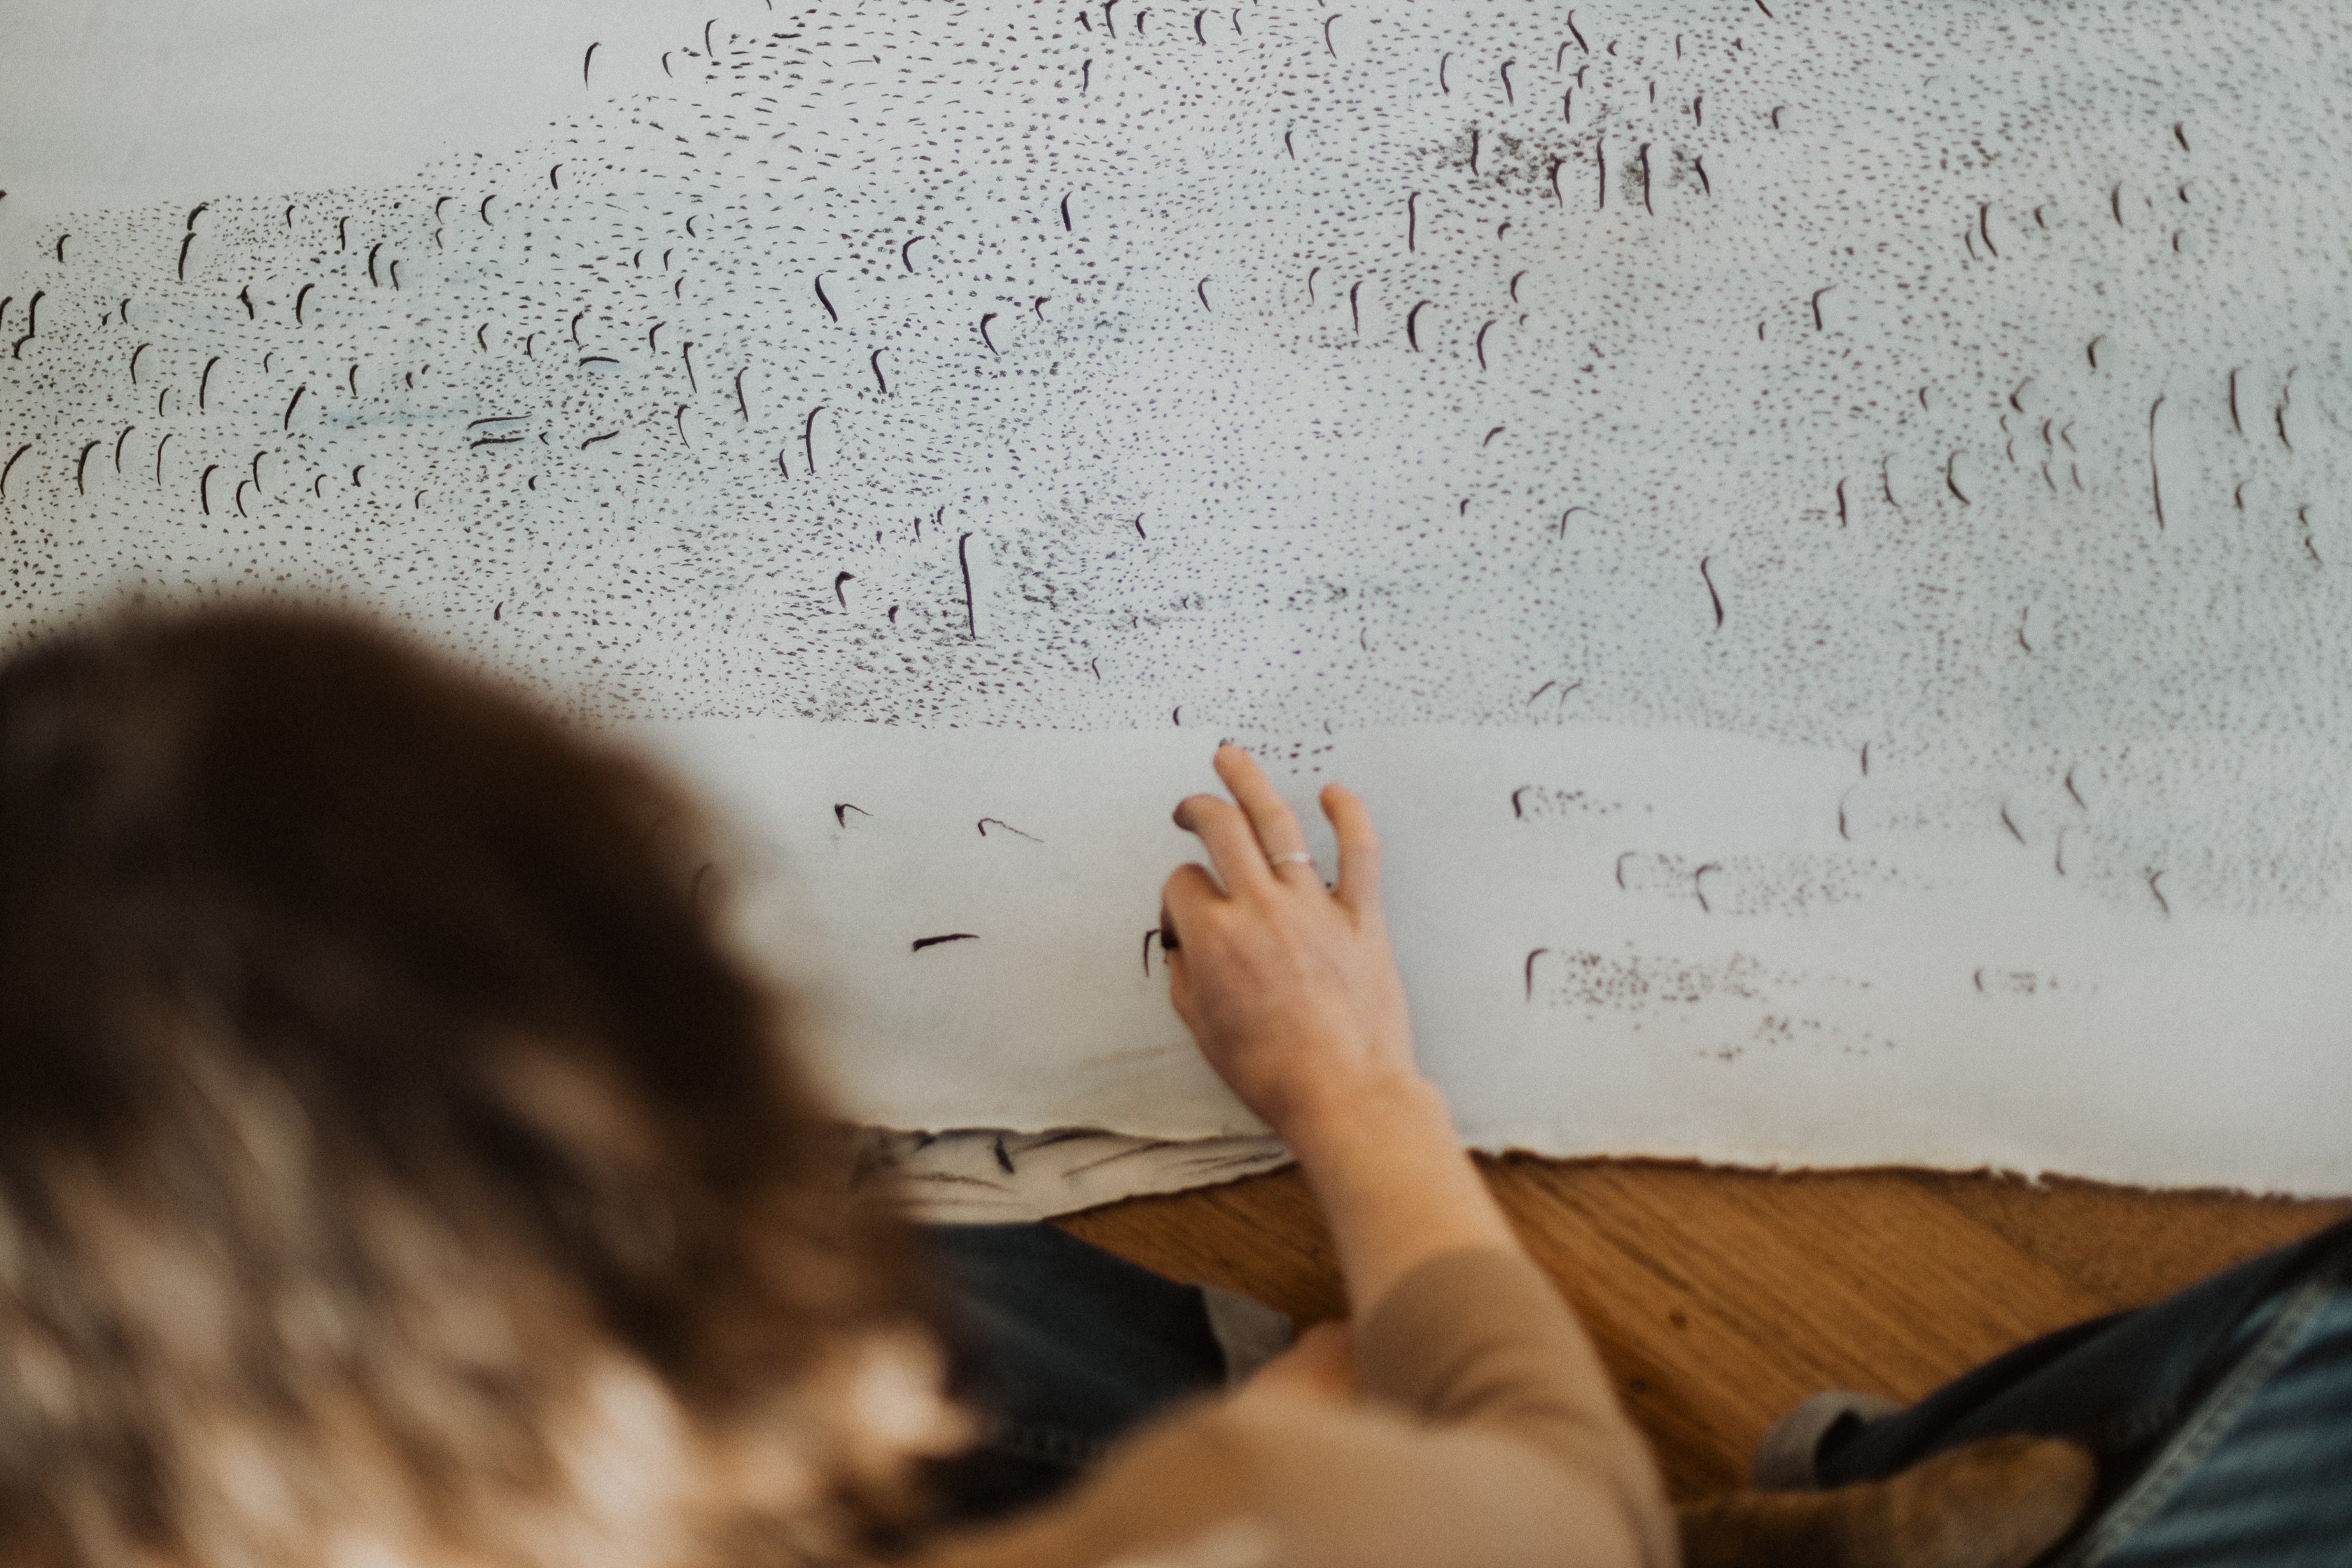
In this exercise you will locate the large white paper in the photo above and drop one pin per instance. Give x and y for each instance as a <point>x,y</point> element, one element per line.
<point>1818,527</point>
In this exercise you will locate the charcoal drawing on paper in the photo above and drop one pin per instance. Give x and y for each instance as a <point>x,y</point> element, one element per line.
<point>1954,400</point>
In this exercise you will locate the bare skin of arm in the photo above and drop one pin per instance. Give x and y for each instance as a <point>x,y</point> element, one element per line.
<point>1292,992</point>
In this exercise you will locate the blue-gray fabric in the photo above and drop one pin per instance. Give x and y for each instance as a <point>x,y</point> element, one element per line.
<point>2222,1418</point>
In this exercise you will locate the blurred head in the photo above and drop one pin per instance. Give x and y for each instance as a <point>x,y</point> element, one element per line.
<point>394,1167</point>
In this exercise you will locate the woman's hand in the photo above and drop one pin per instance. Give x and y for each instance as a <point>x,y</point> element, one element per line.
<point>1295,1000</point>
<point>1290,989</point>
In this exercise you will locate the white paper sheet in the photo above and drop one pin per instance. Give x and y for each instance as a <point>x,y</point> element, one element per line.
<point>1818,528</point>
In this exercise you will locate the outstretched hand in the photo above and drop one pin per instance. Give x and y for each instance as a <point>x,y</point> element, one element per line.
<point>1290,988</point>
<point>1293,994</point>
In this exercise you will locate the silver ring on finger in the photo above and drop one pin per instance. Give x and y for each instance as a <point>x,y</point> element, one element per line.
<point>1291,858</point>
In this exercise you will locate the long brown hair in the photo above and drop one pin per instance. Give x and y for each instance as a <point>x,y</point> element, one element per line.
<point>312,945</point>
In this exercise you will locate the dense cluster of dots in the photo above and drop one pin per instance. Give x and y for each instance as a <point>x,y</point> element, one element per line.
<point>1635,983</point>
<point>1967,384</point>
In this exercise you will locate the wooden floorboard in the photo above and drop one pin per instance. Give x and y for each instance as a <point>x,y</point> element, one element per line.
<point>1720,1297</point>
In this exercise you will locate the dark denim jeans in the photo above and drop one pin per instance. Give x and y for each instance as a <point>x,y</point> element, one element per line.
<point>1061,1348</point>
<point>2222,1418</point>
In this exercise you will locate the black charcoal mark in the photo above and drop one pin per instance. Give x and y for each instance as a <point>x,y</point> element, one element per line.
<point>161,446</point>
<point>2155,480</point>
<point>10,467</point>
<point>991,342</point>
<point>2022,621</point>
<point>1412,220</point>
<point>1817,304</point>
<point>141,349</point>
<point>1841,500</point>
<point>1514,285</point>
<point>1698,887</point>
<point>1776,116</point>
<point>839,580</point>
<point>2116,202</point>
<point>923,941</point>
<point>1951,483</point>
<point>183,256</point>
<point>1355,311</point>
<point>204,489</point>
<point>1648,185</point>
<point>1201,288</point>
<point>1573,34</point>
<point>743,406</point>
<point>81,465</point>
<point>287,423</point>
<point>593,439</point>
<point>2162,902</point>
<point>1140,534</point>
<point>1067,227</point>
<point>1327,37</point>
<point>1482,360</point>
<point>1311,273</point>
<point>1984,227</point>
<point>1601,171</point>
<point>1713,597</point>
<point>2235,423</point>
<point>2058,855</point>
<point>686,356</point>
<point>2008,822</point>
<point>1706,185</point>
<point>679,417</point>
<point>204,383</point>
<point>1413,323</point>
<point>119,440</point>
<point>1008,827</point>
<point>1621,867</point>
<point>1530,968</point>
<point>963,564</point>
<point>2091,350</point>
<point>808,437</point>
<point>841,812</point>
<point>1504,72</point>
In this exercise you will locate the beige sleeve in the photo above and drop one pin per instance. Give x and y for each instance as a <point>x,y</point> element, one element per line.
<point>1489,1439</point>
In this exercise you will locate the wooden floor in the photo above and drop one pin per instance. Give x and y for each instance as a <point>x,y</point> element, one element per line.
<point>1721,1298</point>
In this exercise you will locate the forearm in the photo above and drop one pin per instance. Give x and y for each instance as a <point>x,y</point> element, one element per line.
<point>1394,1182</point>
